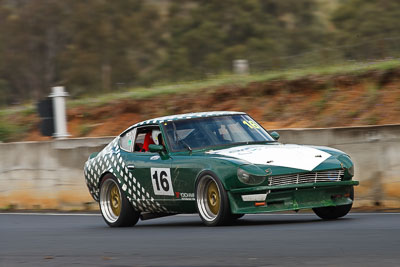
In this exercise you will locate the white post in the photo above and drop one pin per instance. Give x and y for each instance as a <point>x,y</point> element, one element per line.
<point>241,66</point>
<point>60,120</point>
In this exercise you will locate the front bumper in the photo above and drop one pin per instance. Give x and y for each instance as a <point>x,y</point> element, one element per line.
<point>290,197</point>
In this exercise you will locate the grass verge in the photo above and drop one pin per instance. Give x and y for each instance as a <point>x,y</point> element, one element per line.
<point>231,79</point>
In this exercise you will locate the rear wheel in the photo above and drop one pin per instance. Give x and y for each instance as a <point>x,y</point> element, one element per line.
<point>114,206</point>
<point>331,213</point>
<point>212,201</point>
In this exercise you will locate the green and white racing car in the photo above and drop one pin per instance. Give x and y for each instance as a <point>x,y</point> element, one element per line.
<point>220,164</point>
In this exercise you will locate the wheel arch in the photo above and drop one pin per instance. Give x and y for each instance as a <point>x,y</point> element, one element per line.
<point>101,178</point>
<point>114,174</point>
<point>210,172</point>
<point>225,172</point>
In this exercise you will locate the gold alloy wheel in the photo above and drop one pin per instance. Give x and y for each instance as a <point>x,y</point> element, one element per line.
<point>213,198</point>
<point>208,198</point>
<point>110,200</point>
<point>115,199</point>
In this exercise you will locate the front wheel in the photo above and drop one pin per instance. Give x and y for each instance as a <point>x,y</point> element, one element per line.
<point>212,201</point>
<point>331,213</point>
<point>114,206</point>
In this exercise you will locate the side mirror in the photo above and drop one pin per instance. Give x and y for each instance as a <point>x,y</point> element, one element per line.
<point>156,148</point>
<point>274,135</point>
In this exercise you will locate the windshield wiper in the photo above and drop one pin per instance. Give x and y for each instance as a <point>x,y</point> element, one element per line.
<point>178,139</point>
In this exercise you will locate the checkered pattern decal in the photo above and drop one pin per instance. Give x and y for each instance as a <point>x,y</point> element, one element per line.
<point>109,159</point>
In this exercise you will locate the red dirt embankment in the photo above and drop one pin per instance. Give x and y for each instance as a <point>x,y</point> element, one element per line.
<point>314,101</point>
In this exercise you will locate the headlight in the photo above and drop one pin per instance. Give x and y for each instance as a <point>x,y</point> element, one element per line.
<point>249,179</point>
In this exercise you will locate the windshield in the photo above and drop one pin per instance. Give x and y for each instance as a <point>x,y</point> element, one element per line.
<point>214,131</point>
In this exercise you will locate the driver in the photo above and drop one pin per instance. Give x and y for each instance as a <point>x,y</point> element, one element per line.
<point>157,137</point>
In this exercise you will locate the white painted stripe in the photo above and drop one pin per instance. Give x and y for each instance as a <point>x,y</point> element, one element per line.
<point>291,156</point>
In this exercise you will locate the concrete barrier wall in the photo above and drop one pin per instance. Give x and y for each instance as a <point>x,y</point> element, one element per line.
<point>46,175</point>
<point>49,175</point>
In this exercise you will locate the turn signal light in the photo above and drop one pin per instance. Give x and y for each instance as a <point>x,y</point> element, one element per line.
<point>257,204</point>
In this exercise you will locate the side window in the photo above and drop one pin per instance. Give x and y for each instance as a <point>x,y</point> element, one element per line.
<point>139,142</point>
<point>127,140</point>
<point>146,136</point>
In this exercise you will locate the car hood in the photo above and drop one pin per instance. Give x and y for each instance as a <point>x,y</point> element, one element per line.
<point>289,156</point>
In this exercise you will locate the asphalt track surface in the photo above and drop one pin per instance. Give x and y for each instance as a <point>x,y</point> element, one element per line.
<point>359,239</point>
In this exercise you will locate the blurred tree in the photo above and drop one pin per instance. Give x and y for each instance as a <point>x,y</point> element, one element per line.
<point>367,28</point>
<point>31,35</point>
<point>113,44</point>
<point>86,45</point>
<point>206,36</point>
<point>300,27</point>
<point>100,45</point>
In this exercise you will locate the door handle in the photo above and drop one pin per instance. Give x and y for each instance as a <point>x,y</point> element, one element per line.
<point>131,166</point>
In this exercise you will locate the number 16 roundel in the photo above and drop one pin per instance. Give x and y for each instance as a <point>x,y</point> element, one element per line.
<point>161,180</point>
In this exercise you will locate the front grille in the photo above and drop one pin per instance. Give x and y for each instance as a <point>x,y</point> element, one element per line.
<point>309,177</point>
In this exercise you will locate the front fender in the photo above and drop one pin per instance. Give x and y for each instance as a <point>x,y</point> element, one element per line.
<point>224,170</point>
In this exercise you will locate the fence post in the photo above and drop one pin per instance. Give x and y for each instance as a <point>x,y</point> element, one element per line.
<point>60,119</point>
<point>241,66</point>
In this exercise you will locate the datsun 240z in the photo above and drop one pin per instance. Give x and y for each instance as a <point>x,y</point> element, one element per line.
<point>220,165</point>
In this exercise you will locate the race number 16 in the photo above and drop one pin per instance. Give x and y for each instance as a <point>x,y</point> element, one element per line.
<point>161,180</point>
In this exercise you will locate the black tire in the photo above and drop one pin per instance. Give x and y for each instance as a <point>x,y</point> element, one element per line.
<point>208,188</point>
<point>114,206</point>
<point>334,212</point>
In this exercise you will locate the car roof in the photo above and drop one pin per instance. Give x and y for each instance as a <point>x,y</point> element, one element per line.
<point>185,116</point>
